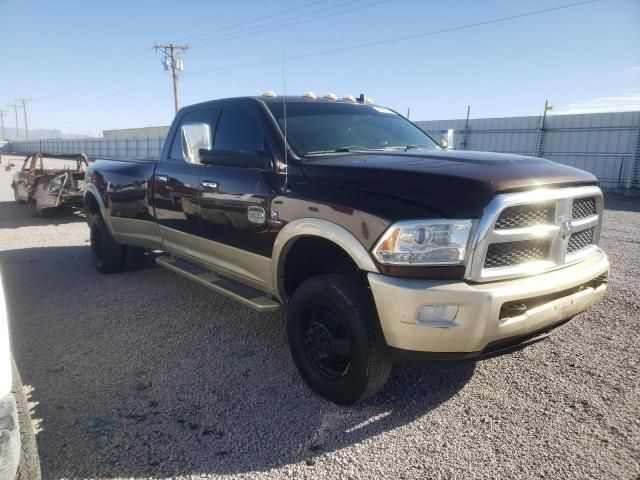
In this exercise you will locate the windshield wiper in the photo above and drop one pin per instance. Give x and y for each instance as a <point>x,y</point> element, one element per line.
<point>354,148</point>
<point>406,148</point>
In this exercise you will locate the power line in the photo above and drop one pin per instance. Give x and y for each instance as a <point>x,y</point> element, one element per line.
<point>172,61</point>
<point>359,46</point>
<point>261,29</point>
<point>122,68</point>
<point>24,109</point>
<point>406,37</point>
<point>253,20</point>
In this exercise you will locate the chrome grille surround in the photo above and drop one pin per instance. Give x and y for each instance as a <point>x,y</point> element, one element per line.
<point>558,233</point>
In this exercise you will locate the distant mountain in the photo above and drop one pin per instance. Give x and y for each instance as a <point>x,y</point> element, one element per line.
<point>39,134</point>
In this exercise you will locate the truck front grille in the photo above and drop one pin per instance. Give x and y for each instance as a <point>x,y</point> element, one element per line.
<point>583,207</point>
<point>520,216</point>
<point>580,240</point>
<point>515,253</point>
<point>530,232</point>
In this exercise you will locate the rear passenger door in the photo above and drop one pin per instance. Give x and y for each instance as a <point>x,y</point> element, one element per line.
<point>235,200</point>
<point>177,181</point>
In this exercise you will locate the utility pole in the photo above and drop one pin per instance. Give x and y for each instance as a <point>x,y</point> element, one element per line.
<point>15,108</point>
<point>2,112</point>
<point>24,108</point>
<point>172,61</point>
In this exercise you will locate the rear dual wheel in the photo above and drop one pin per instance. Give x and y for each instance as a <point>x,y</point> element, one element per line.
<point>336,340</point>
<point>108,255</point>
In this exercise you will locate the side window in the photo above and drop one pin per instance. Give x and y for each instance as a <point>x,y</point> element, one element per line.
<point>193,133</point>
<point>239,130</point>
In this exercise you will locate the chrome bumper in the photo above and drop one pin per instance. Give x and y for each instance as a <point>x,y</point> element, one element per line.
<point>9,438</point>
<point>480,321</point>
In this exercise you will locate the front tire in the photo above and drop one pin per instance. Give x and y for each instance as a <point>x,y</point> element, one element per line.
<point>108,255</point>
<point>336,340</point>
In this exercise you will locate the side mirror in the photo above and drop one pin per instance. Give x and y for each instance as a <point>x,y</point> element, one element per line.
<point>228,158</point>
<point>195,136</point>
<point>446,140</point>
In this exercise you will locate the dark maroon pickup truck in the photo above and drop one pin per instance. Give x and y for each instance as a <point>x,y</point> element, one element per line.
<point>380,244</point>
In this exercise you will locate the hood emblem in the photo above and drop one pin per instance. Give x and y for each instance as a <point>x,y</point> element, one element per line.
<point>566,228</point>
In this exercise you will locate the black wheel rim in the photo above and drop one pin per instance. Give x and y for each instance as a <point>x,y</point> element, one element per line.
<point>327,342</point>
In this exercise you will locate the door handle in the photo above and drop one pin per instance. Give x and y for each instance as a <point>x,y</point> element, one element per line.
<point>209,185</point>
<point>162,178</point>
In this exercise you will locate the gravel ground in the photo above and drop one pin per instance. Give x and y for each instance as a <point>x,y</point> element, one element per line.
<point>146,375</point>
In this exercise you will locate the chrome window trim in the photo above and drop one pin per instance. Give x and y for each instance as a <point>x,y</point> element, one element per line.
<point>563,198</point>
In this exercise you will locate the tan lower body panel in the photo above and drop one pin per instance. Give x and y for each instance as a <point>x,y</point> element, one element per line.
<point>140,233</point>
<point>240,265</point>
<point>477,322</point>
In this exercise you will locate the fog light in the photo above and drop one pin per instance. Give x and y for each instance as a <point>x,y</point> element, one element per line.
<point>437,313</point>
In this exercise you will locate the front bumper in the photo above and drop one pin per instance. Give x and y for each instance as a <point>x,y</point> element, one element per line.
<point>9,438</point>
<point>481,322</point>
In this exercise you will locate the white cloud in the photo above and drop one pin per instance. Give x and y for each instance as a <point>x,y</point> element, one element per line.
<point>632,70</point>
<point>622,103</point>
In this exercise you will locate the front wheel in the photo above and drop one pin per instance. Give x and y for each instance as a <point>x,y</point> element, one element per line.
<point>336,340</point>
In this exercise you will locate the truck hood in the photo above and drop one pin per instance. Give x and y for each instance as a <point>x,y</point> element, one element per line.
<point>454,183</point>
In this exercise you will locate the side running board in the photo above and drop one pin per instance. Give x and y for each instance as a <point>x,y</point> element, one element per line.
<point>246,295</point>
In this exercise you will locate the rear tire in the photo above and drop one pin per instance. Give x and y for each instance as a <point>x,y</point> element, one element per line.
<point>108,255</point>
<point>29,466</point>
<point>336,340</point>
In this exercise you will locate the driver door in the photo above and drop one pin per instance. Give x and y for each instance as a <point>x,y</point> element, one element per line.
<point>176,186</point>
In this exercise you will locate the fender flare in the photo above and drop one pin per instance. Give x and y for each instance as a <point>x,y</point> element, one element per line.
<point>315,227</point>
<point>92,190</point>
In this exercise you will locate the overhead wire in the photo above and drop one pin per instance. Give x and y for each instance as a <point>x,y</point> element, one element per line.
<point>260,28</point>
<point>403,38</point>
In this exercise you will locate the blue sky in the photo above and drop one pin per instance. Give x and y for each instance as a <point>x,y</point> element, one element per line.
<point>89,65</point>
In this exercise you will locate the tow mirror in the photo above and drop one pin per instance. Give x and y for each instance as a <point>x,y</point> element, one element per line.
<point>195,137</point>
<point>446,140</point>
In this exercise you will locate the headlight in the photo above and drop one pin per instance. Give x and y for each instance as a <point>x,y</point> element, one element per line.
<point>424,242</point>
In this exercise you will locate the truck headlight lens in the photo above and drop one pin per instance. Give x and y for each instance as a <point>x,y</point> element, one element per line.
<point>428,242</point>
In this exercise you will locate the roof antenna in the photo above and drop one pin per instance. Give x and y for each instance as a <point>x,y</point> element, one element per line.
<point>284,107</point>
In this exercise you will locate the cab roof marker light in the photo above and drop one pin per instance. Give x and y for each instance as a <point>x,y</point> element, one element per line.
<point>349,98</point>
<point>331,96</point>
<point>269,94</point>
<point>310,96</point>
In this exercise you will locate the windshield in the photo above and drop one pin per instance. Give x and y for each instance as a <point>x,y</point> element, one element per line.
<point>322,128</point>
